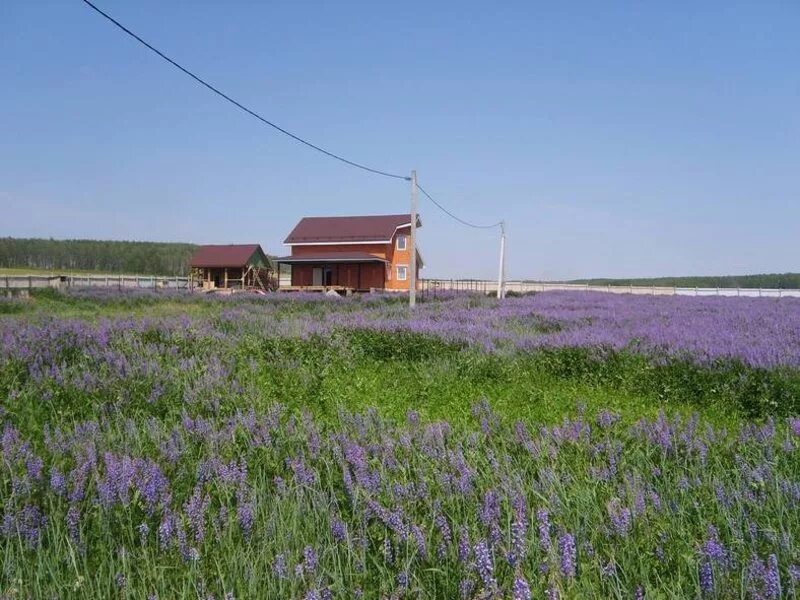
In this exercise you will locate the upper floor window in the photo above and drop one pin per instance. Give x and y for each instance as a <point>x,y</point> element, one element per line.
<point>401,242</point>
<point>402,272</point>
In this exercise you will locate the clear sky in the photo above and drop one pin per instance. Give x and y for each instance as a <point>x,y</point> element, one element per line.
<point>616,139</point>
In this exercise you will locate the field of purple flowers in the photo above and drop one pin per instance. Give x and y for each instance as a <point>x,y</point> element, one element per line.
<point>159,446</point>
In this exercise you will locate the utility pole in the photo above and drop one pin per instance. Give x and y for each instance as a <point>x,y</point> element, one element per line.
<point>502,275</point>
<point>412,280</point>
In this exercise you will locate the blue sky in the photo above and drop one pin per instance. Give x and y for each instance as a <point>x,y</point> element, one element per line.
<point>625,139</point>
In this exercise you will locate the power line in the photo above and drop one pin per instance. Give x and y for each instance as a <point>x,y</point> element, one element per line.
<point>240,105</point>
<point>297,138</point>
<point>459,219</point>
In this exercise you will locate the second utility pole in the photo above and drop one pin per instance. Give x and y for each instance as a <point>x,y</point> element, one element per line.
<point>412,288</point>
<point>501,278</point>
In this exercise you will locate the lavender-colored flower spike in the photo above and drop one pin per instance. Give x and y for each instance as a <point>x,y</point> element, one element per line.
<point>568,554</point>
<point>544,529</point>
<point>484,564</point>
<point>520,590</point>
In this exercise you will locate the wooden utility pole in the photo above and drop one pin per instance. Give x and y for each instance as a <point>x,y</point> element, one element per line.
<point>412,280</point>
<point>502,275</point>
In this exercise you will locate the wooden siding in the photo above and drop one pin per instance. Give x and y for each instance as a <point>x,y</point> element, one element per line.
<point>359,276</point>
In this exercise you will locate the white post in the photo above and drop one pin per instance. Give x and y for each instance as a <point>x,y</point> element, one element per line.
<point>502,274</point>
<point>412,280</point>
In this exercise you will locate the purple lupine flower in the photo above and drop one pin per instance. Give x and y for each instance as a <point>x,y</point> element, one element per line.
<point>544,529</point>
<point>402,580</point>
<point>639,503</point>
<point>310,559</point>
<point>772,578</point>
<point>568,554</point>
<point>73,523</point>
<point>121,580</point>
<point>465,588</point>
<point>144,531</point>
<point>245,511</point>
<point>490,515</point>
<point>166,530</point>
<point>195,509</point>
<point>484,565</point>
<point>519,542</point>
<point>706,578</point>
<point>520,589</point>
<point>58,482</point>
<point>764,580</point>
<point>338,530</point>
<point>606,419</point>
<point>444,528</point>
<point>464,547</point>
<point>620,517</point>
<point>713,548</point>
<point>279,566</point>
<point>519,531</point>
<point>419,540</point>
<point>388,551</point>
<point>608,569</point>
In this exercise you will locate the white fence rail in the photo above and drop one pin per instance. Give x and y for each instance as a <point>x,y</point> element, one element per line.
<point>19,283</point>
<point>486,286</point>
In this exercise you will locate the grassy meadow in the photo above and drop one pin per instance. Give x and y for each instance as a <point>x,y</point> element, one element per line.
<point>158,445</point>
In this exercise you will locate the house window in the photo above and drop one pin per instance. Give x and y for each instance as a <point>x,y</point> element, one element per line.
<point>402,272</point>
<point>401,242</point>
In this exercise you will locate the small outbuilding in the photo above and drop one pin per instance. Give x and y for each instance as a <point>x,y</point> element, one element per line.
<point>242,266</point>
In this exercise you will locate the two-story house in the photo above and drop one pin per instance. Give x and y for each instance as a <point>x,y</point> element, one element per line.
<point>360,253</point>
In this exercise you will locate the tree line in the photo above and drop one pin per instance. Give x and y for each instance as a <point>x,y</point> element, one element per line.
<point>783,281</point>
<point>105,256</point>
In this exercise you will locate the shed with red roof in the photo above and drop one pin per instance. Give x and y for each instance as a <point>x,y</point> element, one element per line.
<point>232,266</point>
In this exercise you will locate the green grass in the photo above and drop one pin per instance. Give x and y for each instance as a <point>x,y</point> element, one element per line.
<point>219,376</point>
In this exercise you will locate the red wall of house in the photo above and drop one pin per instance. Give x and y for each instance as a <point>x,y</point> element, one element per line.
<point>361,276</point>
<point>372,275</point>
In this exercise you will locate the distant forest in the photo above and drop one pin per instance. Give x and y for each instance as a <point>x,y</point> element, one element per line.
<point>782,281</point>
<point>144,258</point>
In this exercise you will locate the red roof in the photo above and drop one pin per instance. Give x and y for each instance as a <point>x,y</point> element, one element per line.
<point>232,255</point>
<point>327,257</point>
<point>374,228</point>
